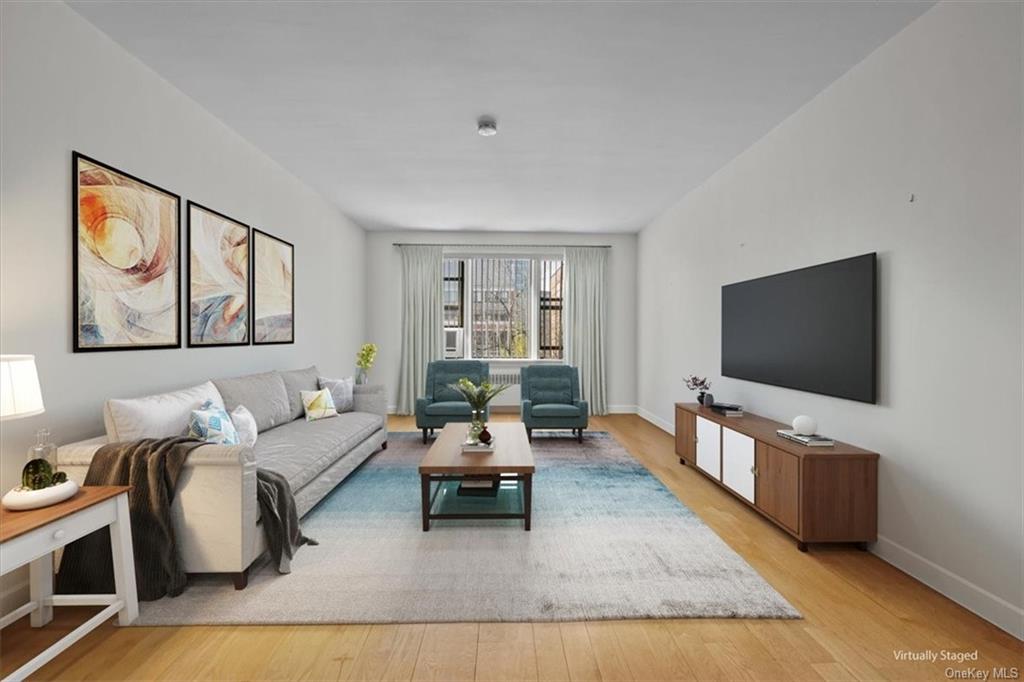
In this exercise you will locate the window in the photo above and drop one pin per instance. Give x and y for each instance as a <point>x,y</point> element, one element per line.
<point>452,292</point>
<point>506,307</point>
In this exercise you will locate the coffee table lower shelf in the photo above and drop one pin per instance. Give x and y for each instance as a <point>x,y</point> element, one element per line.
<point>430,493</point>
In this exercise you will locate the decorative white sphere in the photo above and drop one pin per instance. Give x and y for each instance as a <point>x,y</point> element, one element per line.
<point>805,426</point>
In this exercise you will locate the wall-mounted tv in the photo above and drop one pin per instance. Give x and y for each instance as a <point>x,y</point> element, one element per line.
<point>812,329</point>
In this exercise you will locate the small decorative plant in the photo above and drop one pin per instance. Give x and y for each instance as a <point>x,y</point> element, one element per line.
<point>701,385</point>
<point>364,360</point>
<point>478,397</point>
<point>38,474</point>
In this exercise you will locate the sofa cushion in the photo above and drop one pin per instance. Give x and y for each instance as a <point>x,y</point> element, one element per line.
<point>300,450</point>
<point>212,424</point>
<point>555,410</point>
<point>156,416</point>
<point>342,392</point>
<point>296,381</point>
<point>318,405</point>
<point>264,395</point>
<point>551,390</point>
<point>449,408</point>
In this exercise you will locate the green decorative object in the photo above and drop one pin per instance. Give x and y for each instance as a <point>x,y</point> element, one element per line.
<point>37,474</point>
<point>364,361</point>
<point>478,396</point>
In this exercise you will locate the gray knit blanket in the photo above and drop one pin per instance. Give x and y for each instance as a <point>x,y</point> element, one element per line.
<point>152,466</point>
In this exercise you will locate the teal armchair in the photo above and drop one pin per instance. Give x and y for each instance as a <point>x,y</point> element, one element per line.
<point>442,404</point>
<point>551,399</point>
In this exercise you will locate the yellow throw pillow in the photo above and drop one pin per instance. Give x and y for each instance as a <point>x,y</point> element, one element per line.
<point>318,405</point>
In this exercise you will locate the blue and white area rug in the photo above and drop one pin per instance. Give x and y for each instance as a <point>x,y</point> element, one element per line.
<point>608,541</point>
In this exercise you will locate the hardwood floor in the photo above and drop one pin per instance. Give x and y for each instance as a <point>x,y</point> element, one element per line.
<point>857,611</point>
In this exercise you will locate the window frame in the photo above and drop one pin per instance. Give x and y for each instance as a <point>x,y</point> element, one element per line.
<point>461,279</point>
<point>533,313</point>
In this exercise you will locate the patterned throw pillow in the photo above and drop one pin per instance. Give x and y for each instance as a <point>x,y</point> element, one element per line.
<point>245,424</point>
<point>212,424</point>
<point>341,392</point>
<point>318,405</point>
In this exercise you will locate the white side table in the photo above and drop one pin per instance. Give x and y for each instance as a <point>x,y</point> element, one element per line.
<point>31,537</point>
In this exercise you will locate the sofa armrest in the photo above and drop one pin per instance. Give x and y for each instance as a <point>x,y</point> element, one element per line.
<point>421,406</point>
<point>584,407</point>
<point>371,398</point>
<point>82,452</point>
<point>526,409</point>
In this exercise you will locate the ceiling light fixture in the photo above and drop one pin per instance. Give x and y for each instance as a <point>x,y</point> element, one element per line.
<point>486,126</point>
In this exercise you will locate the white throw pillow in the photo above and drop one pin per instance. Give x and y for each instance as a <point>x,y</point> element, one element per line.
<point>318,404</point>
<point>245,424</point>
<point>156,416</point>
<point>341,392</point>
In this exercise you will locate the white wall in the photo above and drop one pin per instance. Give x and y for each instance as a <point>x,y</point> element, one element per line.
<point>936,113</point>
<point>67,86</point>
<point>384,299</point>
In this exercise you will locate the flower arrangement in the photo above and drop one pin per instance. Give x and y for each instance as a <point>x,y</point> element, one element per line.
<point>703,388</point>
<point>696,383</point>
<point>478,397</point>
<point>366,355</point>
<point>364,360</point>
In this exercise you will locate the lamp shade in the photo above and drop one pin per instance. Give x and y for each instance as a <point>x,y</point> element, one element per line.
<point>19,387</point>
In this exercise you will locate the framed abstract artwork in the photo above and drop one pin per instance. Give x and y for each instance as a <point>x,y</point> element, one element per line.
<point>126,260</point>
<point>273,289</point>
<point>218,278</point>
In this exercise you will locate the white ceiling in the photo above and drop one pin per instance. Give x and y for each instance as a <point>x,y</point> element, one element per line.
<point>607,112</point>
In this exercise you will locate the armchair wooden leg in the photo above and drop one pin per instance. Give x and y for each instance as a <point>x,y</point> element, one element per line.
<point>579,435</point>
<point>424,436</point>
<point>529,435</point>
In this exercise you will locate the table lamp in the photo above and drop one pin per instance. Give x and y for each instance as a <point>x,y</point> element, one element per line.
<point>21,397</point>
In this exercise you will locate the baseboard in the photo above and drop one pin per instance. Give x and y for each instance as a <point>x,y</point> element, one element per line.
<point>622,409</point>
<point>992,608</point>
<point>657,421</point>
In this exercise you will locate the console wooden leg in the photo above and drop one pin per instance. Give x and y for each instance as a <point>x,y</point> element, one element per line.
<point>802,546</point>
<point>241,579</point>
<point>862,546</point>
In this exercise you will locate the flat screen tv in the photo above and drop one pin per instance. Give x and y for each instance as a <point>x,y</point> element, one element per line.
<point>812,329</point>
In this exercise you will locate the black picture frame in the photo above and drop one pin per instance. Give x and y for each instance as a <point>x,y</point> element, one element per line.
<point>77,347</point>
<point>189,205</point>
<point>256,233</point>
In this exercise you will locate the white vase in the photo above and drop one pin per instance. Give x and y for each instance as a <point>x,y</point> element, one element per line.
<point>18,499</point>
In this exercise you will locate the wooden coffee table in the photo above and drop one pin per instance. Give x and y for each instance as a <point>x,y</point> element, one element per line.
<point>512,460</point>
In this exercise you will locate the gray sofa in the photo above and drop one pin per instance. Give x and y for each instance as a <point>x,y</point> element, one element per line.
<point>215,515</point>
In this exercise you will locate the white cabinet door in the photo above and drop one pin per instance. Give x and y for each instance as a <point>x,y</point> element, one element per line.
<point>709,447</point>
<point>738,463</point>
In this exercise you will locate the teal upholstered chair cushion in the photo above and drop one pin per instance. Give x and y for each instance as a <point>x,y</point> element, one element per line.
<point>443,404</point>
<point>551,398</point>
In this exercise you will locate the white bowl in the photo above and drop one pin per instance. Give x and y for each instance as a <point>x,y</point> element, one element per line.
<point>18,500</point>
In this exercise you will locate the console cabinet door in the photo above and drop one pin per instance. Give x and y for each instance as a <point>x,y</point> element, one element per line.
<point>686,435</point>
<point>738,463</point>
<point>778,486</point>
<point>709,447</point>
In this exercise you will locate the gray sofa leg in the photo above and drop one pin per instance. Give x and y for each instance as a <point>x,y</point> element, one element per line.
<point>241,579</point>
<point>424,436</point>
<point>384,445</point>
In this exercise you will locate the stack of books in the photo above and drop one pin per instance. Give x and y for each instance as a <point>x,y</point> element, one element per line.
<point>812,441</point>
<point>468,448</point>
<point>727,409</point>
<point>479,487</point>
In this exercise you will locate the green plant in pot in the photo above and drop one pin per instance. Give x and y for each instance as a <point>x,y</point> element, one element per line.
<point>38,474</point>
<point>478,397</point>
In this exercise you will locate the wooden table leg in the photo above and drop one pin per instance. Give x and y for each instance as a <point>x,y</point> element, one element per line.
<point>124,563</point>
<point>425,491</point>
<point>527,499</point>
<point>40,576</point>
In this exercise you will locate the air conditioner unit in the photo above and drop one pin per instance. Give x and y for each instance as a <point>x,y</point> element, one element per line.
<point>453,343</point>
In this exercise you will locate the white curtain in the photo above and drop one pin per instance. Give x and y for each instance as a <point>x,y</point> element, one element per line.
<point>585,321</point>
<point>422,320</point>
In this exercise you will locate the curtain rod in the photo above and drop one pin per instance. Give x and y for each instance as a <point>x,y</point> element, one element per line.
<point>511,246</point>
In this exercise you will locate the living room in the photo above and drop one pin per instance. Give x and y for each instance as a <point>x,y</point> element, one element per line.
<point>252,250</point>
